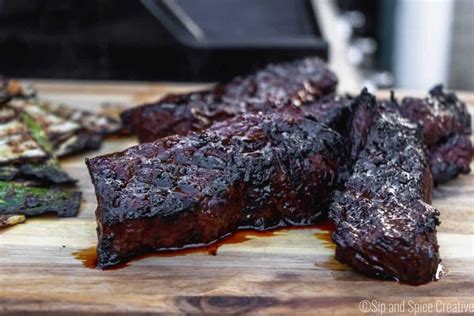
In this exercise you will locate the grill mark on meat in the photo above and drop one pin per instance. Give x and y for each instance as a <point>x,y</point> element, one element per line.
<point>273,87</point>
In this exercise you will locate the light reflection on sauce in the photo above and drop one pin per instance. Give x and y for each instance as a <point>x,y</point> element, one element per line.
<point>325,238</point>
<point>331,263</point>
<point>88,256</point>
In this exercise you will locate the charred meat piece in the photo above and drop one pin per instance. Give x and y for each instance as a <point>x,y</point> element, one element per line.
<point>272,87</point>
<point>68,130</point>
<point>445,123</point>
<point>349,116</point>
<point>449,101</point>
<point>253,171</point>
<point>25,150</point>
<point>362,109</point>
<point>16,198</point>
<point>10,220</point>
<point>450,158</point>
<point>384,225</point>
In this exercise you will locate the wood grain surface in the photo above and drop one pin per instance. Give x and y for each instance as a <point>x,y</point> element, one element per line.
<point>291,272</point>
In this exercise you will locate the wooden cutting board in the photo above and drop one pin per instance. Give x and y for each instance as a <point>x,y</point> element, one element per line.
<point>291,271</point>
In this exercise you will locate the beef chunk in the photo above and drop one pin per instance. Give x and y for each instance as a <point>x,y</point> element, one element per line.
<point>384,224</point>
<point>258,171</point>
<point>450,158</point>
<point>273,87</point>
<point>445,123</point>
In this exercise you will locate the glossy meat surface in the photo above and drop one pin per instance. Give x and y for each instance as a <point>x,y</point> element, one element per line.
<point>384,225</point>
<point>272,87</point>
<point>349,116</point>
<point>184,191</point>
<point>258,171</point>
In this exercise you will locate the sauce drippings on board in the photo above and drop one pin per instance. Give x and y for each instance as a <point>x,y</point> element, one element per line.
<point>88,256</point>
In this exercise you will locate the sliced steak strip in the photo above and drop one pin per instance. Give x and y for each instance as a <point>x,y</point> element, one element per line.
<point>274,86</point>
<point>384,225</point>
<point>446,125</point>
<point>450,158</point>
<point>253,171</point>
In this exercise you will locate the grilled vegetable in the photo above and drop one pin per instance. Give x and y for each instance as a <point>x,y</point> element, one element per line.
<point>68,130</point>
<point>25,151</point>
<point>16,198</point>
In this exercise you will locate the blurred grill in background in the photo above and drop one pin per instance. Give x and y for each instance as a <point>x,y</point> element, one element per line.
<point>206,40</point>
<point>380,44</point>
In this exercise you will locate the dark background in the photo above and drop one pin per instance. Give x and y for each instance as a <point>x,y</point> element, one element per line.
<point>129,40</point>
<point>121,39</point>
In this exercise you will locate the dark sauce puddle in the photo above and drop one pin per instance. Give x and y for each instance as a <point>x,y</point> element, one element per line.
<point>88,256</point>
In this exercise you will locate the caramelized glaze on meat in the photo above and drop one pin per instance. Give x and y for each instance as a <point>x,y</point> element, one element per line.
<point>273,87</point>
<point>258,171</point>
<point>384,224</point>
<point>446,125</point>
<point>371,163</point>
